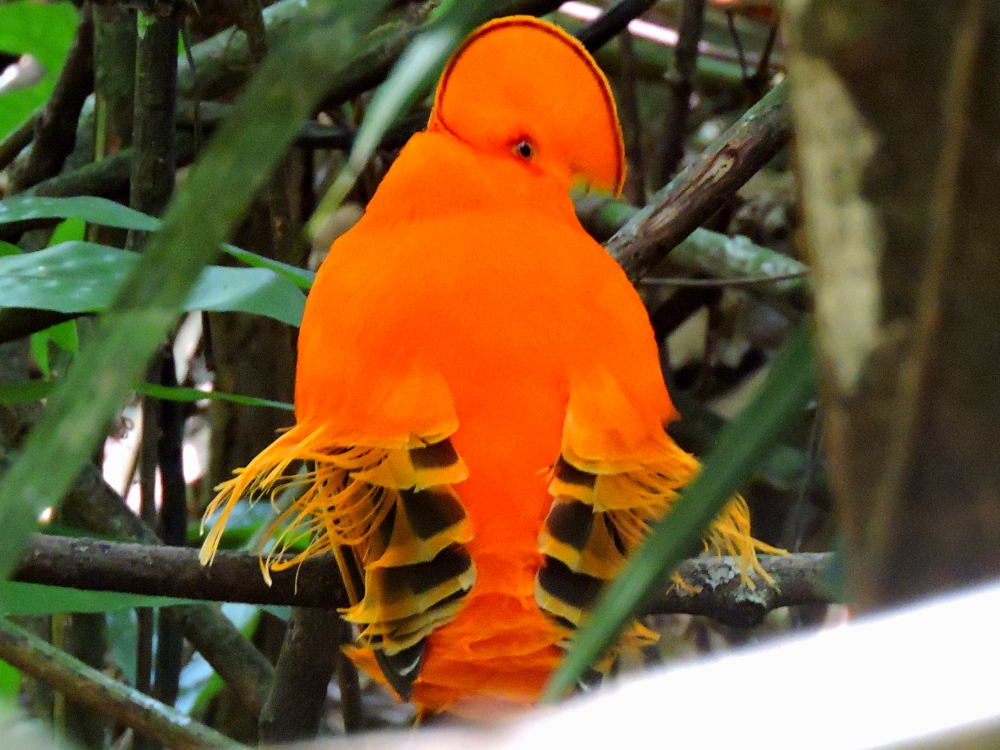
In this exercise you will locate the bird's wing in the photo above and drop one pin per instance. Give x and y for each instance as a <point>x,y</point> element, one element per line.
<point>385,508</point>
<point>616,476</point>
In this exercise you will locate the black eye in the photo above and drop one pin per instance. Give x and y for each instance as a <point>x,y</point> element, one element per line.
<point>524,149</point>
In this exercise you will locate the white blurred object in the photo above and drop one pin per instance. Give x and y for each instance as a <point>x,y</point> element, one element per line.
<point>637,27</point>
<point>921,673</point>
<point>27,71</point>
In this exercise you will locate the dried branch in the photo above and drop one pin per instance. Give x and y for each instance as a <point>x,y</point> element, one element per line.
<point>92,688</point>
<point>702,188</point>
<point>722,595</point>
<point>55,126</point>
<point>235,577</point>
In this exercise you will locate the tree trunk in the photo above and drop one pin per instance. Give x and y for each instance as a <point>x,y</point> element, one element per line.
<point>897,118</point>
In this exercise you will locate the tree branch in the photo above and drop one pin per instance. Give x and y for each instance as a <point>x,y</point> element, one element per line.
<point>682,85</point>
<point>92,688</point>
<point>615,19</point>
<point>92,504</point>
<point>55,125</point>
<point>98,565</point>
<point>18,139</point>
<point>294,709</point>
<point>702,188</point>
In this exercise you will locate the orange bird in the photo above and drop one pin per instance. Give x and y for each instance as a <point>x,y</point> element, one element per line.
<point>479,404</point>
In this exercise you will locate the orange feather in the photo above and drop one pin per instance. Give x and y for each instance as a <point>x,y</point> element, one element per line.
<point>479,398</point>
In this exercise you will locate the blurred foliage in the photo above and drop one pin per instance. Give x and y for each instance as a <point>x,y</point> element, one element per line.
<point>44,30</point>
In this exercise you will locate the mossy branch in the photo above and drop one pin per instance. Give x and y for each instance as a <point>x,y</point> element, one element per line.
<point>86,685</point>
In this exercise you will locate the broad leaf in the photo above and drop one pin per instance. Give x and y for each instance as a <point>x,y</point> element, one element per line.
<point>94,210</point>
<point>36,599</point>
<point>80,277</point>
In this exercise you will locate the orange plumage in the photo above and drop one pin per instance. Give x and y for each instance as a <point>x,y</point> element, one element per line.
<point>479,400</point>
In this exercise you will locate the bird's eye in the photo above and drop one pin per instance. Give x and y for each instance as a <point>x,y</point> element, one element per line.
<point>524,150</point>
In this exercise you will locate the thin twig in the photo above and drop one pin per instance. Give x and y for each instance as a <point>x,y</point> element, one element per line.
<point>658,281</point>
<point>682,86</point>
<point>737,42</point>
<point>612,22</point>
<point>92,688</point>
<point>628,106</point>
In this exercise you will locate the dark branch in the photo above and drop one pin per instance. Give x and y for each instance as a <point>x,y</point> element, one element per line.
<point>605,27</point>
<point>18,139</point>
<point>682,85</point>
<point>722,595</point>
<point>702,188</point>
<point>295,707</point>
<point>55,126</point>
<point>235,577</point>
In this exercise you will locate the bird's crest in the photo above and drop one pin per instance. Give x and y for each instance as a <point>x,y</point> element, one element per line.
<point>522,86</point>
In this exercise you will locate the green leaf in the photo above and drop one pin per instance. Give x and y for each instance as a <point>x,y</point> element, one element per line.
<point>259,291</point>
<point>93,210</point>
<point>18,393</point>
<point>81,277</point>
<point>299,276</point>
<point>64,335</point>
<point>290,83</point>
<point>10,682</point>
<point>411,79</point>
<point>39,343</point>
<point>45,30</point>
<point>742,446</point>
<point>36,599</point>
<point>8,249</point>
<point>176,393</point>
<point>35,390</point>
<point>69,230</point>
<point>85,207</point>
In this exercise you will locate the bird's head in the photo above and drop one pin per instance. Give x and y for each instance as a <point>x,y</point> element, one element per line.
<point>523,89</point>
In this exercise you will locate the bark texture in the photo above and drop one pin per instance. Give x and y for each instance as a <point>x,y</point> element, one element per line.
<point>897,118</point>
